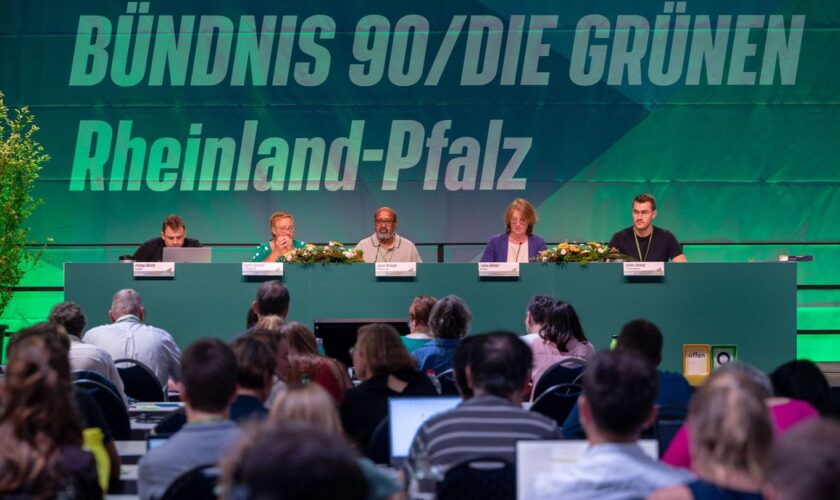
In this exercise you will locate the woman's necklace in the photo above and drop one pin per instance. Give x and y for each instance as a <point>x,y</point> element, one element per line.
<point>639,249</point>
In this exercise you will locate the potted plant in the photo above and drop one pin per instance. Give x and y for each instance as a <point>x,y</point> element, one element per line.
<point>21,157</point>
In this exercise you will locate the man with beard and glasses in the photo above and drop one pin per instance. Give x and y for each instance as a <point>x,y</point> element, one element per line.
<point>385,245</point>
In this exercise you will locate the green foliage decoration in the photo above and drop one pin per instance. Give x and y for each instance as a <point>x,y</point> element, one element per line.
<point>21,157</point>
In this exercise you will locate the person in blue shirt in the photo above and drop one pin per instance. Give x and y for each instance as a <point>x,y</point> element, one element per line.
<point>645,338</point>
<point>449,321</point>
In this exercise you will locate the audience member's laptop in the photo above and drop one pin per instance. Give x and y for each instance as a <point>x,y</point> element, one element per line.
<point>200,255</point>
<point>407,414</point>
<point>155,440</point>
<point>535,459</point>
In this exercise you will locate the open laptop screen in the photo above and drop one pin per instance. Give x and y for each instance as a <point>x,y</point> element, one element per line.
<point>407,414</point>
<point>200,255</point>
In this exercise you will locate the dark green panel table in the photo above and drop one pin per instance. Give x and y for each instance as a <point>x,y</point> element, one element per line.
<point>752,305</point>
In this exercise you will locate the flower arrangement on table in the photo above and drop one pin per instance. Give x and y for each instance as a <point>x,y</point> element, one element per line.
<point>584,253</point>
<point>331,253</point>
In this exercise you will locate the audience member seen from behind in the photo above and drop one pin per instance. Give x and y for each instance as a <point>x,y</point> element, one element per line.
<point>306,363</point>
<point>40,429</point>
<point>803,380</point>
<point>418,322</point>
<point>805,463</point>
<point>536,315</point>
<point>129,337</point>
<point>255,364</point>
<point>270,335</point>
<point>385,369</point>
<point>561,338</point>
<point>491,422</point>
<point>449,322</point>
<point>785,412</point>
<point>272,301</point>
<point>207,389</point>
<point>310,404</point>
<point>292,462</point>
<point>731,434</point>
<point>85,356</point>
<point>282,240</point>
<point>459,365</point>
<point>643,337</point>
<point>618,401</point>
<point>518,243</point>
<point>94,424</point>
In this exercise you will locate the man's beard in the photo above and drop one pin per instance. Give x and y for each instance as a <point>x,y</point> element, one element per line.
<point>383,237</point>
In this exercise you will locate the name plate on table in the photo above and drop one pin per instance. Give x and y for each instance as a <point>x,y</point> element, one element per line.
<point>262,269</point>
<point>154,269</point>
<point>644,269</point>
<point>498,269</point>
<point>396,269</point>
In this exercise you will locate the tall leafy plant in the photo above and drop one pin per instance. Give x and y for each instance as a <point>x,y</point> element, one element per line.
<point>21,157</point>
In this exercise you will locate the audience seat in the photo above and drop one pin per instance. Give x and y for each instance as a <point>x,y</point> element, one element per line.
<point>139,380</point>
<point>198,483</point>
<point>567,371</point>
<point>447,383</point>
<point>668,421</point>
<point>112,406</point>
<point>484,478</point>
<point>379,446</point>
<point>557,401</point>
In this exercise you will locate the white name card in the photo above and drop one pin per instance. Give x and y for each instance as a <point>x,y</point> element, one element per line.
<point>262,269</point>
<point>644,269</point>
<point>154,269</point>
<point>395,269</point>
<point>498,269</point>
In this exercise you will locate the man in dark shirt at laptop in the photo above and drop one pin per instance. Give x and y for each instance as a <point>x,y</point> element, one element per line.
<point>173,234</point>
<point>643,241</point>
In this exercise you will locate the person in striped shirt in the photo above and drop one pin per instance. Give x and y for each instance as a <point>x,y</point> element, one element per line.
<point>498,367</point>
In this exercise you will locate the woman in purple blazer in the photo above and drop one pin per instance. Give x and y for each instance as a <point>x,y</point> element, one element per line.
<point>517,243</point>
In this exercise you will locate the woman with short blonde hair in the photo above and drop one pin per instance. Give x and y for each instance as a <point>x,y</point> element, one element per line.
<point>731,433</point>
<point>518,243</point>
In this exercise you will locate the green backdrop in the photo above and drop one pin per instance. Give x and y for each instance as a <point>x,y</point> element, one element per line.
<point>224,112</point>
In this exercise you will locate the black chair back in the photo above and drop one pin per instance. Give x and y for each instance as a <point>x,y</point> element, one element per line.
<point>112,406</point>
<point>567,371</point>
<point>198,483</point>
<point>447,383</point>
<point>139,380</point>
<point>379,446</point>
<point>669,419</point>
<point>485,478</point>
<point>557,401</point>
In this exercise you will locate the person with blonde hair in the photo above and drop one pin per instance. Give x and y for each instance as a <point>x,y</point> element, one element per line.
<point>306,363</point>
<point>385,369</point>
<point>731,433</point>
<point>311,404</point>
<point>282,240</point>
<point>518,243</point>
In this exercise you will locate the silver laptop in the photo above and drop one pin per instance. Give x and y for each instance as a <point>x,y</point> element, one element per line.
<point>536,459</point>
<point>407,414</point>
<point>201,255</point>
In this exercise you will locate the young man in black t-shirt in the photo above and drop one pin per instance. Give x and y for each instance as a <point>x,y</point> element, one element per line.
<point>643,241</point>
<point>173,234</point>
